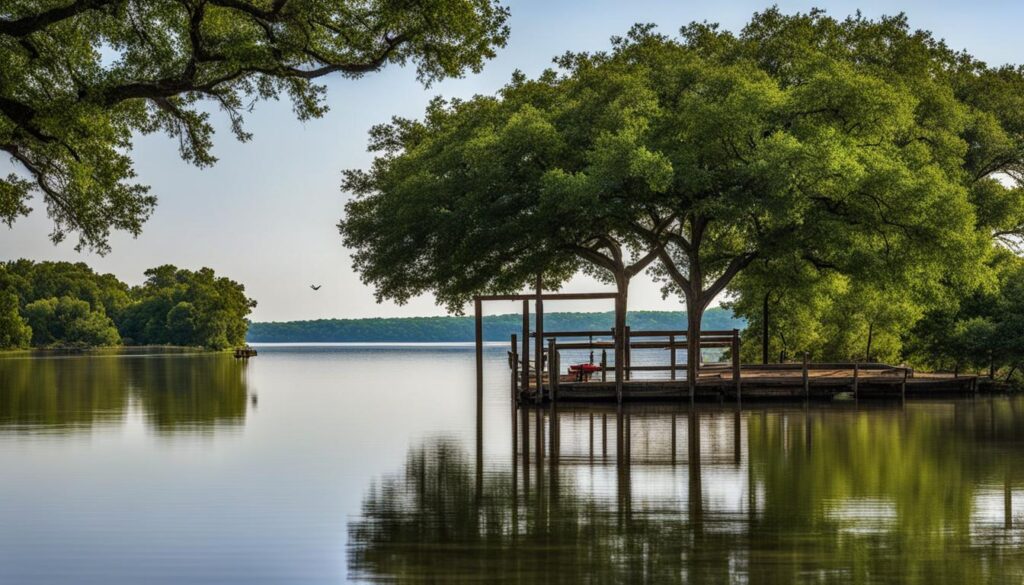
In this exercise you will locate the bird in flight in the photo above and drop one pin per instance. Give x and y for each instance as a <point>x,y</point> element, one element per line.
<point>315,286</point>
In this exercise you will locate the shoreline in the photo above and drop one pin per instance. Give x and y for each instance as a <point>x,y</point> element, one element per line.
<point>121,349</point>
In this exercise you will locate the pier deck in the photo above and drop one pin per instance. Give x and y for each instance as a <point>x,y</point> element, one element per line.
<point>538,374</point>
<point>758,384</point>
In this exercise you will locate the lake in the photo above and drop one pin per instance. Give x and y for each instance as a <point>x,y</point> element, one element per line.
<point>333,463</point>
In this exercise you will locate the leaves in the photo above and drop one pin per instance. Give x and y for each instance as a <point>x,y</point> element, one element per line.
<point>67,304</point>
<point>78,79</point>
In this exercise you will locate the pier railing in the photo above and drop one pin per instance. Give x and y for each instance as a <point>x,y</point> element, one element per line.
<point>527,380</point>
<point>525,373</point>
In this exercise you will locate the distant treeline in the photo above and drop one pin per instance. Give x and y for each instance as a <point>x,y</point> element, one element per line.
<point>63,304</point>
<point>441,329</point>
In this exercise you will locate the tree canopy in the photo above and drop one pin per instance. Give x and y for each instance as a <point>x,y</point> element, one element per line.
<point>838,147</point>
<point>184,307</point>
<point>891,314</point>
<point>60,304</point>
<point>79,78</point>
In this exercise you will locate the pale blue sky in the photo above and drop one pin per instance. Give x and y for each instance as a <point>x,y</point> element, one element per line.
<point>265,214</point>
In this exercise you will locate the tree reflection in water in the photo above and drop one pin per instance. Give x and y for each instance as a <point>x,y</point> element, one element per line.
<point>173,393</point>
<point>923,494</point>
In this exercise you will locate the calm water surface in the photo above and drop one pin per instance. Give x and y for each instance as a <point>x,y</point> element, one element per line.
<point>326,464</point>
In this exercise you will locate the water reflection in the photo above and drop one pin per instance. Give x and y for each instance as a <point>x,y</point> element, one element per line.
<point>170,392</point>
<point>924,494</point>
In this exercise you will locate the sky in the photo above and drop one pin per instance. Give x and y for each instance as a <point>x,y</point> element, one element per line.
<point>266,213</point>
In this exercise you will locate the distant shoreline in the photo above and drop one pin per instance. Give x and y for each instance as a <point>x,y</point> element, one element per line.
<point>460,329</point>
<point>140,349</point>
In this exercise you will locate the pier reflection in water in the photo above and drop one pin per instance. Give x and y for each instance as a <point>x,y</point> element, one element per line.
<point>660,494</point>
<point>171,392</point>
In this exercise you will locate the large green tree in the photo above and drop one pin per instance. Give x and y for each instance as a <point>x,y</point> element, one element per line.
<point>78,78</point>
<point>990,130</point>
<point>69,322</point>
<point>48,304</point>
<point>14,332</point>
<point>835,144</point>
<point>184,307</point>
<point>477,196</point>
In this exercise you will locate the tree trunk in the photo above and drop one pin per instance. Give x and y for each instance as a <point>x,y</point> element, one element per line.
<point>621,304</point>
<point>871,334</point>
<point>764,330</point>
<point>1012,370</point>
<point>694,314</point>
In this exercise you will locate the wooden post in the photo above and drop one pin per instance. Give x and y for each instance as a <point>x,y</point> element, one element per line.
<point>672,355</point>
<point>554,369</point>
<point>736,363</point>
<point>629,355</point>
<point>526,346</point>
<point>619,351</point>
<point>515,372</point>
<point>691,373</point>
<point>479,332</point>
<point>807,380</point>
<point>539,345</point>
<point>856,372</point>
<point>604,365</point>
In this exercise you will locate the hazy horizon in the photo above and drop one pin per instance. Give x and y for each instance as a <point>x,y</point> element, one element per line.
<point>265,214</point>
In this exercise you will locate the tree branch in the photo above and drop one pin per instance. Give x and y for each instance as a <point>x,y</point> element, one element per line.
<point>673,272</point>
<point>26,25</point>
<point>735,265</point>
<point>595,257</point>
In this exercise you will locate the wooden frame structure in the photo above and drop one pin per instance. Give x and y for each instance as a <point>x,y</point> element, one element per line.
<point>539,297</point>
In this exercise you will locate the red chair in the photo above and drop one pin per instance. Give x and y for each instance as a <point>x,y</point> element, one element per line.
<point>583,371</point>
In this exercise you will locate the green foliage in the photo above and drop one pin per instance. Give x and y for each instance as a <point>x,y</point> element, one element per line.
<point>985,329</point>
<point>455,329</point>
<point>853,160</point>
<point>183,307</point>
<point>14,332</point>
<point>79,78</point>
<point>69,305</point>
<point>69,322</point>
<point>922,206</point>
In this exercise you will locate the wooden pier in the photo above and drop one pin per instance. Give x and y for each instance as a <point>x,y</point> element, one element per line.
<point>244,352</point>
<point>547,379</point>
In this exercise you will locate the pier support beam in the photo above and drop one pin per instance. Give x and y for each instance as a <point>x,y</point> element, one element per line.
<point>672,356</point>
<point>539,346</point>
<point>515,371</point>
<point>736,365</point>
<point>479,331</point>
<point>526,346</point>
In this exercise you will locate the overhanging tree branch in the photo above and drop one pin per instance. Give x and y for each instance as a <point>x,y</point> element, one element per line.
<point>26,25</point>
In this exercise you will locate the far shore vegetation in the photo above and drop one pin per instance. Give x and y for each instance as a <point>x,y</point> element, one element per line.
<point>460,328</point>
<point>68,305</point>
